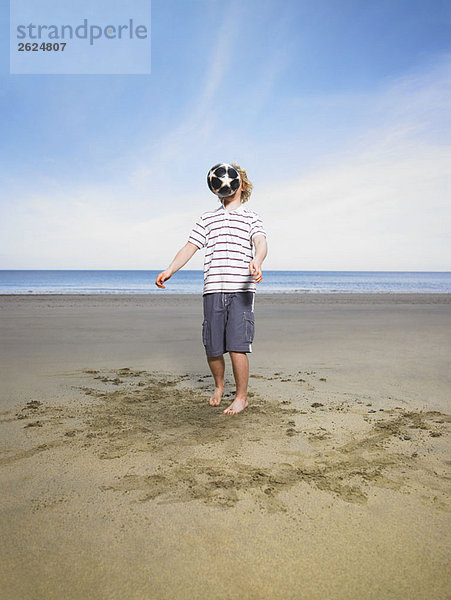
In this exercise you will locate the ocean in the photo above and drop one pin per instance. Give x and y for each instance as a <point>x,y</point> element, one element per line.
<point>191,282</point>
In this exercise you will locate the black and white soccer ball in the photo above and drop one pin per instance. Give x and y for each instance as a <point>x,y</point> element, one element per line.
<point>223,180</point>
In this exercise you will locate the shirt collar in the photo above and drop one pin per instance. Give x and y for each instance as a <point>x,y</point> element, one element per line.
<point>240,209</point>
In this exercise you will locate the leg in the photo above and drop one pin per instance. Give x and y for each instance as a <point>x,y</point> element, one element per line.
<point>240,364</point>
<point>213,339</point>
<point>217,367</point>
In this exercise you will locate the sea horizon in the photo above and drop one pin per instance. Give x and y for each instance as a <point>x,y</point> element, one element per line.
<point>186,281</point>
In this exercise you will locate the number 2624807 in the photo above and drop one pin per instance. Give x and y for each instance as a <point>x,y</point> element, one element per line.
<point>43,47</point>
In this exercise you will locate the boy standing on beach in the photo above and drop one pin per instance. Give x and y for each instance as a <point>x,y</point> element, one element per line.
<point>230,274</point>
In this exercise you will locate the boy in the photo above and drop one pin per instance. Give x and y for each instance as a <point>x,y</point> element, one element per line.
<point>230,275</point>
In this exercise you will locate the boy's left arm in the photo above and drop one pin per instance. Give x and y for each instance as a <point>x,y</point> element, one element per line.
<point>261,250</point>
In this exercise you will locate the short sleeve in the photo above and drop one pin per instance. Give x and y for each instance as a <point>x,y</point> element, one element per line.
<point>257,227</point>
<point>198,235</point>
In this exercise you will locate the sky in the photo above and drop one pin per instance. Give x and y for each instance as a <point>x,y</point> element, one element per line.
<point>339,110</point>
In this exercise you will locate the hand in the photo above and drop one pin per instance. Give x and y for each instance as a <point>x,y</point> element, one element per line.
<point>256,270</point>
<point>163,276</point>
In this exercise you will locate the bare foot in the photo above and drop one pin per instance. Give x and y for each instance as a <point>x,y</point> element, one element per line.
<point>215,400</point>
<point>237,406</point>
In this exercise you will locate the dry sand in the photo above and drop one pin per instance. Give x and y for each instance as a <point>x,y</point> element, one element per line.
<point>120,481</point>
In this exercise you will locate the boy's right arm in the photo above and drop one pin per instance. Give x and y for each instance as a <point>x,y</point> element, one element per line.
<point>180,259</point>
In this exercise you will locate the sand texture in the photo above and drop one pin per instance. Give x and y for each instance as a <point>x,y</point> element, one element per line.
<point>120,481</point>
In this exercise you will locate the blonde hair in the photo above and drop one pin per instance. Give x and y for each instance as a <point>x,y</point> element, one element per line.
<point>246,184</point>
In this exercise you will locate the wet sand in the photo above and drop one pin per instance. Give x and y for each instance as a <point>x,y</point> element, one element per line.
<point>119,480</point>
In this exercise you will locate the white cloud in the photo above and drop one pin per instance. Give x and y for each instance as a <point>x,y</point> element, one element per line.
<point>378,202</point>
<point>196,124</point>
<point>365,213</point>
<point>74,233</point>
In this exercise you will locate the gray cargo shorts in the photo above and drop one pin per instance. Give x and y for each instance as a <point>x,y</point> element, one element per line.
<point>229,322</point>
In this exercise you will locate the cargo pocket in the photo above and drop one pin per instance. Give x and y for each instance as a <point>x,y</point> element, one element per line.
<point>249,326</point>
<point>205,332</point>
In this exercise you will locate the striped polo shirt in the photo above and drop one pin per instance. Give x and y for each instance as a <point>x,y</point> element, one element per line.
<point>227,237</point>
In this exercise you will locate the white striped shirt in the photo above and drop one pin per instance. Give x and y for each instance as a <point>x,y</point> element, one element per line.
<point>227,237</point>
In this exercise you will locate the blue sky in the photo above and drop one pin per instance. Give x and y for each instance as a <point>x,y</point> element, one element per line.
<point>339,111</point>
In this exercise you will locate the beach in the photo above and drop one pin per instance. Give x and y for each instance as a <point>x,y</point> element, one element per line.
<point>120,481</point>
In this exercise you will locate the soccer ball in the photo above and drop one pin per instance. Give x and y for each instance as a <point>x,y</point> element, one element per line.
<point>223,180</point>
